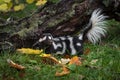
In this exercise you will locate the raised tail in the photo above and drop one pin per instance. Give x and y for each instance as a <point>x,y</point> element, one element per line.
<point>96,27</point>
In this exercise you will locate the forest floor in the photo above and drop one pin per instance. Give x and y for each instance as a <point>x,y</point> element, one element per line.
<point>102,63</point>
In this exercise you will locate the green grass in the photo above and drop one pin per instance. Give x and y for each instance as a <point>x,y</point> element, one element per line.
<point>107,66</point>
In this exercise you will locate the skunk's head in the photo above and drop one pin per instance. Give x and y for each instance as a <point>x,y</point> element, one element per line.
<point>44,41</point>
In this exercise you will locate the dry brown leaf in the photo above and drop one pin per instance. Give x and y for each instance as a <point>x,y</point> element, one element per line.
<point>65,71</point>
<point>67,56</point>
<point>75,60</point>
<point>49,59</point>
<point>87,51</point>
<point>15,65</point>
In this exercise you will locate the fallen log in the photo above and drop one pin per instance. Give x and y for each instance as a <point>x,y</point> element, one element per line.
<point>67,17</point>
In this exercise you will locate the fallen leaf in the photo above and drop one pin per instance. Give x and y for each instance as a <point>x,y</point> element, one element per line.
<point>45,55</point>
<point>75,60</point>
<point>30,1</point>
<point>19,7</point>
<point>3,7</point>
<point>29,51</point>
<point>14,65</point>
<point>7,1</point>
<point>48,59</point>
<point>65,71</point>
<point>67,56</point>
<point>64,61</point>
<point>87,51</point>
<point>40,2</point>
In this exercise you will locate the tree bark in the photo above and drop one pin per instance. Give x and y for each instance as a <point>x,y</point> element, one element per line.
<point>66,17</point>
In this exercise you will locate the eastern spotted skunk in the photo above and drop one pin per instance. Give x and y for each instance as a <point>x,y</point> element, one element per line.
<point>95,29</point>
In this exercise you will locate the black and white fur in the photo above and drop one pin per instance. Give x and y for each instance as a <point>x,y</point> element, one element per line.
<point>95,29</point>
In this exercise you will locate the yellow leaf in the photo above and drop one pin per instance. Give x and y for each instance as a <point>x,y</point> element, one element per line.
<point>22,6</point>
<point>19,7</point>
<point>16,1</point>
<point>7,1</point>
<point>29,1</point>
<point>3,7</point>
<point>29,51</point>
<point>1,1</point>
<point>45,55</point>
<point>41,2</point>
<point>10,5</point>
<point>49,59</point>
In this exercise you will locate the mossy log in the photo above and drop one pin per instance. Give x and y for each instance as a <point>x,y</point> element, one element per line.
<point>66,17</point>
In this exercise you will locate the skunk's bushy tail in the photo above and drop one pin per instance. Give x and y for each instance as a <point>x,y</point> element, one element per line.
<point>96,27</point>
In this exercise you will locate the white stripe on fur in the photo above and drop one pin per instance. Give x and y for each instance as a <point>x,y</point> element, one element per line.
<point>73,50</point>
<point>98,26</point>
<point>56,45</point>
<point>80,36</point>
<point>42,39</point>
<point>63,50</point>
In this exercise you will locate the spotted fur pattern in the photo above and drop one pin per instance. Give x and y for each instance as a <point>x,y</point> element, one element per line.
<point>95,29</point>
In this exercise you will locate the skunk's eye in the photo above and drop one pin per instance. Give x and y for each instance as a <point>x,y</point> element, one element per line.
<point>49,37</point>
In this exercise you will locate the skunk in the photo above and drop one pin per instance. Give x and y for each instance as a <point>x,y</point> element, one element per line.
<point>73,45</point>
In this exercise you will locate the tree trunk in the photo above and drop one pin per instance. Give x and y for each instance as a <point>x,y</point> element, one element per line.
<point>66,17</point>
